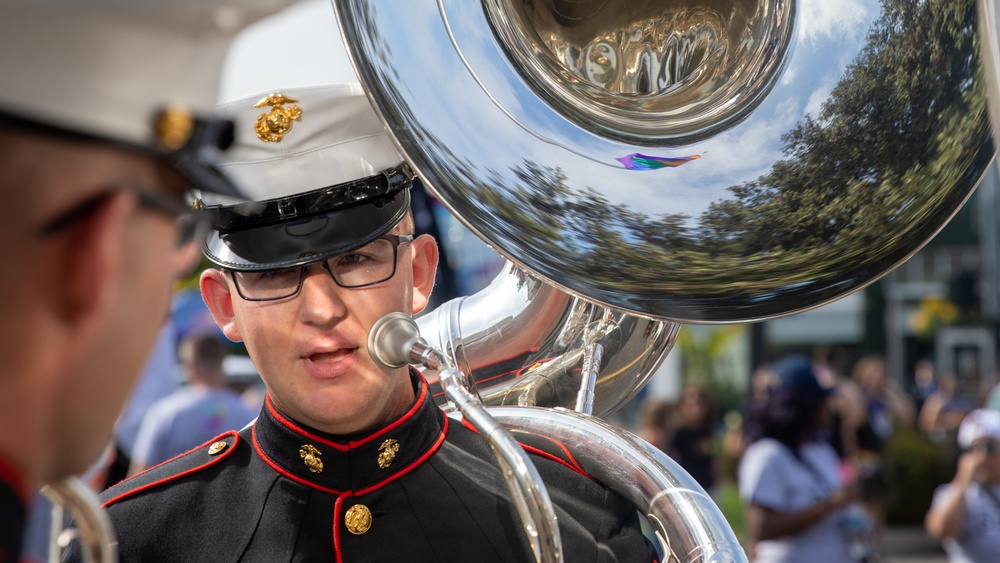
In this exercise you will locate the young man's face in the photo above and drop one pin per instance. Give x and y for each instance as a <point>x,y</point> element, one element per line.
<point>311,349</point>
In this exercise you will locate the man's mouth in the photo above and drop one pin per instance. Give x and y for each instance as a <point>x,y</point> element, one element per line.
<point>333,356</point>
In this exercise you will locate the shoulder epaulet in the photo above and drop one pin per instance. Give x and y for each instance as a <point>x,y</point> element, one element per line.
<point>198,459</point>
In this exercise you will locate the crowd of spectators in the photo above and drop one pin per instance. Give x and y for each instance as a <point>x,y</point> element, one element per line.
<point>813,468</point>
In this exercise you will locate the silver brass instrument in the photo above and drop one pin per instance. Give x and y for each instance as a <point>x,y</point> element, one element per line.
<point>989,29</point>
<point>481,333</point>
<point>800,163</point>
<point>686,521</point>
<point>692,161</point>
<point>92,525</point>
<point>394,341</point>
<point>649,163</point>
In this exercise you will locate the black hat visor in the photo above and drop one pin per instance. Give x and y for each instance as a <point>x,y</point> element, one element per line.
<point>249,236</point>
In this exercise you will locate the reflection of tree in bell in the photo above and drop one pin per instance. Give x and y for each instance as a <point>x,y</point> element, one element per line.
<point>881,153</point>
<point>875,170</point>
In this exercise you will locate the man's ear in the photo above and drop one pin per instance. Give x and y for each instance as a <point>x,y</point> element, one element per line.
<point>425,260</point>
<point>216,292</point>
<point>92,261</point>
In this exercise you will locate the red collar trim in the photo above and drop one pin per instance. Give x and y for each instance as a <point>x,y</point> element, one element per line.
<point>430,451</point>
<point>402,418</point>
<point>288,474</point>
<point>351,465</point>
<point>15,480</point>
<point>299,430</point>
<point>341,446</point>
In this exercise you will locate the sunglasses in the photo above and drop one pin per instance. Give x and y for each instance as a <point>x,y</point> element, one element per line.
<point>989,447</point>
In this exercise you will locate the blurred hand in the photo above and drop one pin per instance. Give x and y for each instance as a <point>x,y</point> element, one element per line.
<point>845,495</point>
<point>969,463</point>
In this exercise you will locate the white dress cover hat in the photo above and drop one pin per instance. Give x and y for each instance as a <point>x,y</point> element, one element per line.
<point>136,72</point>
<point>323,174</point>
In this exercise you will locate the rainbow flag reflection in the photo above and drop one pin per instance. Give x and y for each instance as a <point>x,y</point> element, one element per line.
<point>636,161</point>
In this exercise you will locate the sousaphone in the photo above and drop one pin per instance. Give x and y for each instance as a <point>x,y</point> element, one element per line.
<point>667,162</point>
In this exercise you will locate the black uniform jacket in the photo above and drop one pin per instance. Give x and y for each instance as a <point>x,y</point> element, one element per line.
<point>423,488</point>
<point>13,506</point>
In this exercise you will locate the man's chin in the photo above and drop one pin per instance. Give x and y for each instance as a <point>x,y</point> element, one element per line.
<point>340,417</point>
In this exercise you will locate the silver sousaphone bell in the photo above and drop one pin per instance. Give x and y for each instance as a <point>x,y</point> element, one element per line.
<point>669,162</point>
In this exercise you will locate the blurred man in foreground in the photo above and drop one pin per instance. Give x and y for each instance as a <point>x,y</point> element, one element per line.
<point>101,142</point>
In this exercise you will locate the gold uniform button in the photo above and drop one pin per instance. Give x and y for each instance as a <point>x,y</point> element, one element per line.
<point>358,519</point>
<point>217,448</point>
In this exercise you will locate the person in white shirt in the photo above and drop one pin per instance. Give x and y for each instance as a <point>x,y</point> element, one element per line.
<point>195,413</point>
<point>965,513</point>
<point>796,502</point>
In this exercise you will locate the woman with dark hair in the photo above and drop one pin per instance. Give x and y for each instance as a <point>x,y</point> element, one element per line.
<point>798,509</point>
<point>693,443</point>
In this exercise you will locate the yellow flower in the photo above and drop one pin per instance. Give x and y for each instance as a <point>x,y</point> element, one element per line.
<point>932,313</point>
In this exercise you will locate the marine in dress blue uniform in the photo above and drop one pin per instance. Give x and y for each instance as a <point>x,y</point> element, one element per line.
<point>422,488</point>
<point>348,460</point>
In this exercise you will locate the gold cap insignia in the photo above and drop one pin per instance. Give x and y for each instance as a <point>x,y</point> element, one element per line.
<point>387,453</point>
<point>173,127</point>
<point>217,447</point>
<point>310,456</point>
<point>271,127</point>
<point>358,519</point>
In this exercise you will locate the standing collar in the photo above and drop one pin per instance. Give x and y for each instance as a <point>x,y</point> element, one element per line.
<point>359,465</point>
<point>11,478</point>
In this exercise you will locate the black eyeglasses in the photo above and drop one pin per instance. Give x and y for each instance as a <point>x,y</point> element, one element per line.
<point>369,265</point>
<point>189,223</point>
<point>190,226</point>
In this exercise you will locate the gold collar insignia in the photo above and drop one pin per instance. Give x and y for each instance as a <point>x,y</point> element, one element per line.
<point>310,456</point>
<point>387,453</point>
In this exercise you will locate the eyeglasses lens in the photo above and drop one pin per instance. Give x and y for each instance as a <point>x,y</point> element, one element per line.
<point>368,265</point>
<point>190,228</point>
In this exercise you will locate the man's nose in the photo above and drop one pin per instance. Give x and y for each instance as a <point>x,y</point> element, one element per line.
<point>322,299</point>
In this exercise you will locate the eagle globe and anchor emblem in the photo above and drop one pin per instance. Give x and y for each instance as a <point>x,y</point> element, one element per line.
<point>271,127</point>
<point>311,457</point>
